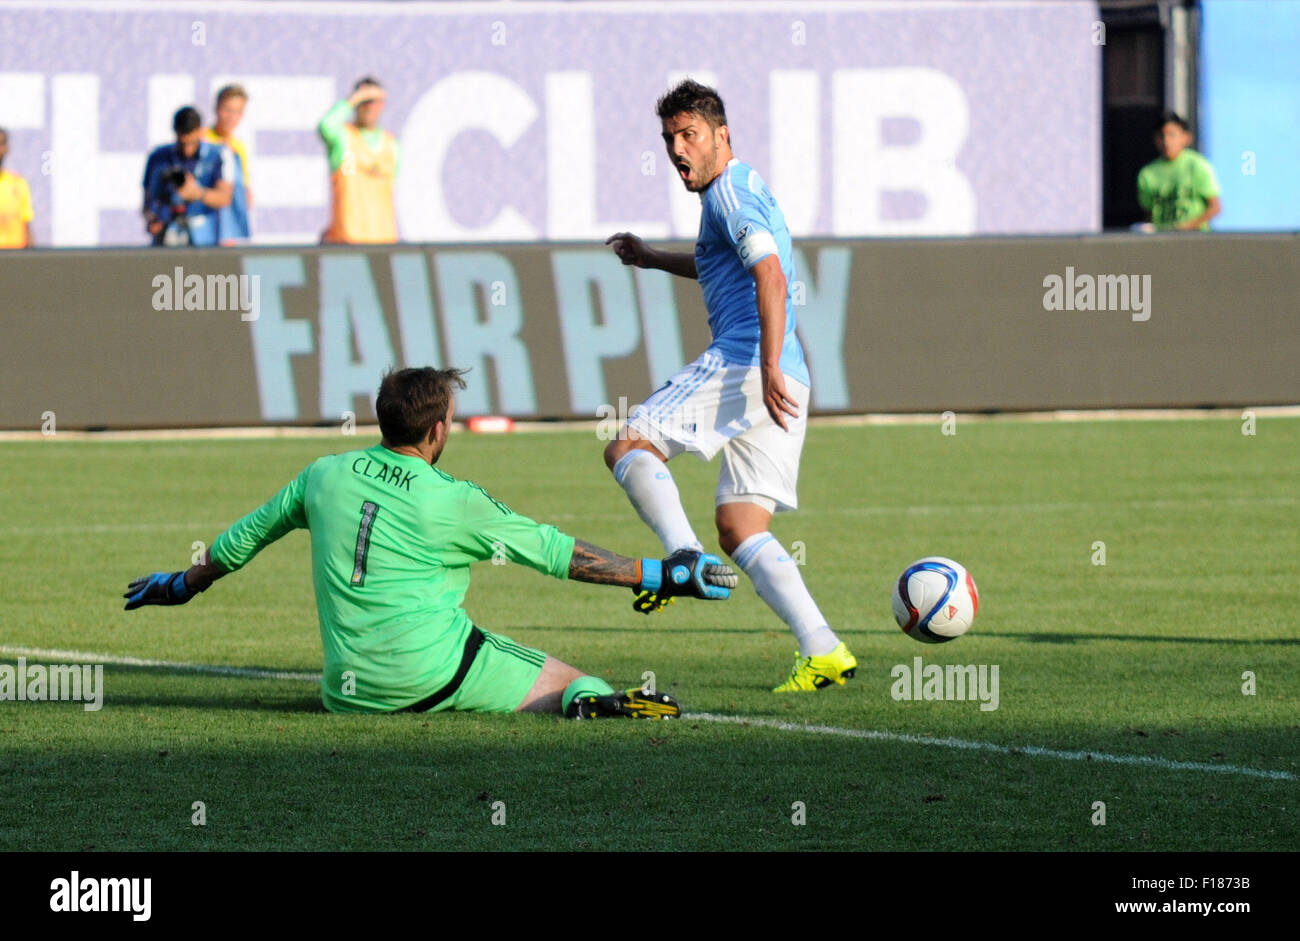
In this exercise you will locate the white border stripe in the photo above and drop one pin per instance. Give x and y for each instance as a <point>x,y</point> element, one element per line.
<point>81,656</point>
<point>364,432</point>
<point>874,735</point>
<point>372,8</point>
<point>1033,751</point>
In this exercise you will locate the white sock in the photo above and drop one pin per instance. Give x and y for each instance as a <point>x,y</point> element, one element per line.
<point>776,578</point>
<point>653,492</point>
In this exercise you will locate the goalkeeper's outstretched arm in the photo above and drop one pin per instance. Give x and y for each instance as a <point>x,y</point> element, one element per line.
<point>199,577</point>
<point>235,547</point>
<point>599,566</point>
<point>686,572</point>
<point>173,587</point>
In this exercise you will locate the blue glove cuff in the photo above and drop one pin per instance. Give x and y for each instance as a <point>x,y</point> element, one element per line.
<point>652,574</point>
<point>178,589</point>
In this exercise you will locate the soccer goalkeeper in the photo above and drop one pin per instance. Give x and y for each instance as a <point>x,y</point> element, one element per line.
<point>392,539</point>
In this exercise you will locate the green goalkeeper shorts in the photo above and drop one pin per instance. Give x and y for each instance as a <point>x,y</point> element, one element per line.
<point>499,678</point>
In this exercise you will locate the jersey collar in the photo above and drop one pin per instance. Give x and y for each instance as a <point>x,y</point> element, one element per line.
<point>730,163</point>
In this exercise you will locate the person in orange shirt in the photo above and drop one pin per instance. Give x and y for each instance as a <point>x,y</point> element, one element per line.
<point>15,204</point>
<point>363,167</point>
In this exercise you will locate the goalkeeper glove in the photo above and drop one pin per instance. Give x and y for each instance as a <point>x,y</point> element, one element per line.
<point>688,572</point>
<point>158,588</point>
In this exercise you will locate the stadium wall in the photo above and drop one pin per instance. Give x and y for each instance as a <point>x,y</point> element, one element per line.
<point>529,121</point>
<point>159,338</point>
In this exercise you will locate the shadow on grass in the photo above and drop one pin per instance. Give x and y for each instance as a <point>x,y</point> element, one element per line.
<point>254,704</point>
<point>604,788</point>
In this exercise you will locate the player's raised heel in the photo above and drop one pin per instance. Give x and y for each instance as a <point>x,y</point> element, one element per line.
<point>813,673</point>
<point>628,704</point>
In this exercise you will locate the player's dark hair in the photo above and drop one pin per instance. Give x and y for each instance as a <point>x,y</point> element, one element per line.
<point>186,121</point>
<point>412,401</point>
<point>366,80</point>
<point>231,91</point>
<point>689,96</point>
<point>1170,117</point>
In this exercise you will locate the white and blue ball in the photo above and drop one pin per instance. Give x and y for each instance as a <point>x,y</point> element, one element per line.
<point>935,600</point>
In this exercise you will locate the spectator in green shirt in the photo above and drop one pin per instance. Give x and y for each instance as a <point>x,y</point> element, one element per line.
<point>1179,190</point>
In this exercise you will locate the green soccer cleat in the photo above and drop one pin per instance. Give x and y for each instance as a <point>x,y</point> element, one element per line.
<point>647,602</point>
<point>813,673</point>
<point>630,704</point>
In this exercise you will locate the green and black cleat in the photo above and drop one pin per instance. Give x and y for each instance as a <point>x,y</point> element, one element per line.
<point>628,704</point>
<point>648,602</point>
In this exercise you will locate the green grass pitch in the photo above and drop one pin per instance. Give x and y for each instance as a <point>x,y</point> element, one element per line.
<point>1141,656</point>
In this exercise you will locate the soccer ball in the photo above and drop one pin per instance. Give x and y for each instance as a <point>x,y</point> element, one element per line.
<point>935,600</point>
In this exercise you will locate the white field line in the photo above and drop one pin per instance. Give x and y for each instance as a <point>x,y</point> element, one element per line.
<point>366,433</point>
<point>80,656</point>
<point>79,529</point>
<point>874,735</point>
<point>1034,751</point>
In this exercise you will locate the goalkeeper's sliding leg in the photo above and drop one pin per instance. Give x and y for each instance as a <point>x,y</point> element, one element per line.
<point>564,689</point>
<point>505,676</point>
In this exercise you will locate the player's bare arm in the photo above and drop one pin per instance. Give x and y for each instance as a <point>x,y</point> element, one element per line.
<point>201,576</point>
<point>632,250</point>
<point>769,280</point>
<point>173,587</point>
<point>685,571</point>
<point>601,567</point>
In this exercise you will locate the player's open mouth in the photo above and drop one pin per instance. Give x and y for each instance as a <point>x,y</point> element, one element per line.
<point>684,171</point>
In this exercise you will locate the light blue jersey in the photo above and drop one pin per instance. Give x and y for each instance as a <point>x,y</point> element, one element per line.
<point>740,225</point>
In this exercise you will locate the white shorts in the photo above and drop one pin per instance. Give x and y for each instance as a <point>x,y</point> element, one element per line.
<point>713,406</point>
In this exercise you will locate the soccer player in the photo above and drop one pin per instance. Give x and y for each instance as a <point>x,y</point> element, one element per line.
<point>1179,190</point>
<point>15,204</point>
<point>392,539</point>
<point>364,160</point>
<point>745,397</point>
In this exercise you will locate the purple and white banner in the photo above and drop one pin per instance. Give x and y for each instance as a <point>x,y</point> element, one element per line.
<point>535,120</point>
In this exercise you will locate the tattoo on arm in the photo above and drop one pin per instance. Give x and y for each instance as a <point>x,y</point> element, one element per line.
<point>602,567</point>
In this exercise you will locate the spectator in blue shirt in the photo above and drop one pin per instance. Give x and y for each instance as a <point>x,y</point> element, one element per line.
<point>186,184</point>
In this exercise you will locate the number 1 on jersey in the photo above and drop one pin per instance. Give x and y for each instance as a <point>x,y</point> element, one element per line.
<point>368,511</point>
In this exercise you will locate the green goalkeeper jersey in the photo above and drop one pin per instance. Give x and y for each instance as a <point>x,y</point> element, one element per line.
<point>392,539</point>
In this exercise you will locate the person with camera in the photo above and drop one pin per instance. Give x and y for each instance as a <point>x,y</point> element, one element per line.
<point>186,184</point>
